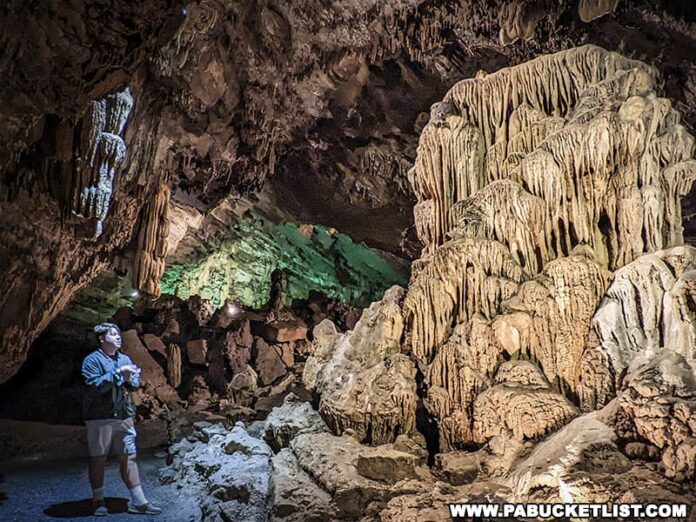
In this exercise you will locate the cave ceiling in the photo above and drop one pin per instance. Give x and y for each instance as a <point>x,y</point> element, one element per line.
<point>313,106</point>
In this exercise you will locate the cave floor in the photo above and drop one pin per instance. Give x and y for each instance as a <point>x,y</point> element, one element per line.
<point>59,490</point>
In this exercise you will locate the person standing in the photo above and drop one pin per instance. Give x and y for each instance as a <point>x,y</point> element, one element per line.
<point>109,415</point>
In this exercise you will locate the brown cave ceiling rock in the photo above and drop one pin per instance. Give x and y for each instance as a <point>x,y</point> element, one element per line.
<point>365,384</point>
<point>229,94</point>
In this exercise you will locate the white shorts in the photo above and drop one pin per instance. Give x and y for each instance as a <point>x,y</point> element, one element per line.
<point>110,437</point>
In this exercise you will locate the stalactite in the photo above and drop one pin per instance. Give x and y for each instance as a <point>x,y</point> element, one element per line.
<point>148,265</point>
<point>464,278</point>
<point>174,365</point>
<point>583,131</point>
<point>103,152</point>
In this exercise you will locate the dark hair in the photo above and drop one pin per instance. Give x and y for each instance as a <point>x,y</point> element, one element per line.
<point>102,328</point>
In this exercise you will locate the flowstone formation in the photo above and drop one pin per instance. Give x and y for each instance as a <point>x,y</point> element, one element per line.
<point>534,183</point>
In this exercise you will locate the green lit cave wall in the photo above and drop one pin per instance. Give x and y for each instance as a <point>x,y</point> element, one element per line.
<point>240,267</point>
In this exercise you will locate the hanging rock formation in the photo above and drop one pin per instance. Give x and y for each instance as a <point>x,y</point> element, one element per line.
<point>152,242</point>
<point>102,153</point>
<point>174,365</point>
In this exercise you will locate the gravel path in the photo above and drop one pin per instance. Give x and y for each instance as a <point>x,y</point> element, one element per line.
<point>60,490</point>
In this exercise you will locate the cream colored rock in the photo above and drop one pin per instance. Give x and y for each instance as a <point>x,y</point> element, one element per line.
<point>463,278</point>
<point>295,497</point>
<point>586,444</point>
<point>339,465</point>
<point>364,382</point>
<point>645,308</point>
<point>524,410</point>
<point>658,404</point>
<point>148,264</point>
<point>289,420</point>
<point>558,147</point>
<point>432,506</point>
<point>523,374</point>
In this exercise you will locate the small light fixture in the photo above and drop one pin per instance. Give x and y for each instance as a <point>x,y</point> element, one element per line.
<point>134,294</point>
<point>232,309</point>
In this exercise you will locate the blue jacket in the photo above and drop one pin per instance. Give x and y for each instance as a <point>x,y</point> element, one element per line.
<point>108,395</point>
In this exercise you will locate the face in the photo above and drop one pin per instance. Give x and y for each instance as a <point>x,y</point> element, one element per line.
<point>112,337</point>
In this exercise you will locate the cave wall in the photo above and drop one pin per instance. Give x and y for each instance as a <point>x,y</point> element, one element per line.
<point>238,268</point>
<point>66,135</point>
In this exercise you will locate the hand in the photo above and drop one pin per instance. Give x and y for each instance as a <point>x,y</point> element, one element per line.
<point>128,370</point>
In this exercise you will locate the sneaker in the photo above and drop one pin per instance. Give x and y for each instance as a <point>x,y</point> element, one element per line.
<point>99,508</point>
<point>146,509</point>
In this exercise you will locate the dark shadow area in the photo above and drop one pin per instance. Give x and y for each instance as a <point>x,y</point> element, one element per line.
<point>83,508</point>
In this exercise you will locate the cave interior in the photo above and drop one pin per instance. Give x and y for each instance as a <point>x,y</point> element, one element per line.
<point>369,258</point>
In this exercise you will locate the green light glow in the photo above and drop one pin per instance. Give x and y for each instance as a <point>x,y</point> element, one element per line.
<point>240,267</point>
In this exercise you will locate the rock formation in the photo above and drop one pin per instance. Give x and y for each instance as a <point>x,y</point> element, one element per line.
<point>174,365</point>
<point>534,183</point>
<point>645,308</point>
<point>366,385</point>
<point>553,279</point>
<point>545,345</point>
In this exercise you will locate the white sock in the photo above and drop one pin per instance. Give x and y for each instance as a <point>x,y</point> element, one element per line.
<point>138,496</point>
<point>98,494</point>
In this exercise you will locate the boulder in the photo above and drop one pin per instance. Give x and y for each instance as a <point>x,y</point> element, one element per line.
<point>280,331</point>
<point>268,362</point>
<point>151,373</point>
<point>226,472</point>
<point>657,405</point>
<point>201,309</point>
<point>459,467</point>
<point>295,496</point>
<point>332,462</point>
<point>289,420</point>
<point>364,381</point>
<point>155,344</point>
<point>237,352</point>
<point>196,351</point>
<point>243,386</point>
<point>522,412</point>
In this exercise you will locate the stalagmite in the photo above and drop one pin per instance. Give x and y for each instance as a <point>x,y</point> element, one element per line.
<point>149,264</point>
<point>174,365</point>
<point>365,384</point>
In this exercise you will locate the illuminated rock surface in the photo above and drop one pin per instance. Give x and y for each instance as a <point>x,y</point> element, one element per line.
<point>227,181</point>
